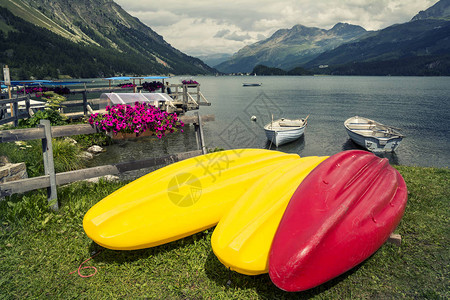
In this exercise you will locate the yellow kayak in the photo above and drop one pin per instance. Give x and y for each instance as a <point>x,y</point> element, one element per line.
<point>242,238</point>
<point>178,200</point>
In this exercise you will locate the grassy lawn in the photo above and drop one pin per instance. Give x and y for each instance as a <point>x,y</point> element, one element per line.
<point>39,248</point>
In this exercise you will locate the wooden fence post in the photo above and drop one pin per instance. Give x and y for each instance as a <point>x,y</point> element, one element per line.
<point>49,165</point>
<point>16,113</point>
<point>185,96</point>
<point>199,134</point>
<point>3,109</point>
<point>27,104</point>
<point>198,93</point>
<point>85,110</point>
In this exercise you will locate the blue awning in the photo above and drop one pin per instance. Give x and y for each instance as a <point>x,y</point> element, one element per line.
<point>130,78</point>
<point>153,77</point>
<point>65,82</point>
<point>43,82</point>
<point>28,82</point>
<point>119,78</point>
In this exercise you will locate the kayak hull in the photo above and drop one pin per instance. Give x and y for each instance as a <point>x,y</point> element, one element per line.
<point>341,213</point>
<point>242,238</point>
<point>178,200</point>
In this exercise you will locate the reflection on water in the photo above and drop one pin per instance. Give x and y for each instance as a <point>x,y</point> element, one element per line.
<point>293,147</point>
<point>350,145</point>
<point>391,156</point>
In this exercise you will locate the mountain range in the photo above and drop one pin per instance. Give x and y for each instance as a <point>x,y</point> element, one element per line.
<point>418,47</point>
<point>84,38</point>
<point>97,38</point>
<point>214,59</point>
<point>288,48</point>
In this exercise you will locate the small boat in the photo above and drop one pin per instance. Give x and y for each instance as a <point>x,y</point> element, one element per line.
<point>372,135</point>
<point>251,84</point>
<point>283,131</point>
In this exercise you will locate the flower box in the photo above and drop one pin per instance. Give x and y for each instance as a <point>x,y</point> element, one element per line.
<point>125,136</point>
<point>124,121</point>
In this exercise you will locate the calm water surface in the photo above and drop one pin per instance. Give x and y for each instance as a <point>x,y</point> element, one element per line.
<point>420,106</point>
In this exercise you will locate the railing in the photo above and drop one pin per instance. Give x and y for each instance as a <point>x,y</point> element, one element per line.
<point>84,101</point>
<point>188,101</point>
<point>182,95</point>
<point>16,114</point>
<point>51,179</point>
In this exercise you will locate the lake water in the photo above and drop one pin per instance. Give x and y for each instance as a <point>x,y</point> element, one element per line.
<point>420,106</point>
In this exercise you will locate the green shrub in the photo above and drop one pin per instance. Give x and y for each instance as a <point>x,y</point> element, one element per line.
<point>51,112</point>
<point>54,100</point>
<point>66,156</point>
<point>86,140</point>
<point>216,149</point>
<point>53,116</point>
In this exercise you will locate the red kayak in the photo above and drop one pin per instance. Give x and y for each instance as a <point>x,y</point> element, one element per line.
<point>341,213</point>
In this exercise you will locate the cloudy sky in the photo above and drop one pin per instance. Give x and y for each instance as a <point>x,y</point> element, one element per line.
<point>201,27</point>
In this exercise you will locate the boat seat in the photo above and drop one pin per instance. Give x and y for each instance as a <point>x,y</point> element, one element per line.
<point>360,127</point>
<point>291,123</point>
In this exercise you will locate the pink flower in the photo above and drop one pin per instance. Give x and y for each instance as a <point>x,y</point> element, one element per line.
<point>136,119</point>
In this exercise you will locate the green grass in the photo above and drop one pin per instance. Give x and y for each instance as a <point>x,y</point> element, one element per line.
<point>39,248</point>
<point>65,155</point>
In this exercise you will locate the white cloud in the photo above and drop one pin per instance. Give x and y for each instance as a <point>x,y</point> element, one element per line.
<point>235,36</point>
<point>202,26</point>
<point>222,33</point>
<point>156,18</point>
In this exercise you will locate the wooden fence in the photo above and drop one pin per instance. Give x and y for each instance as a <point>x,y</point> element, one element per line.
<point>184,98</point>
<point>50,180</point>
<point>16,113</point>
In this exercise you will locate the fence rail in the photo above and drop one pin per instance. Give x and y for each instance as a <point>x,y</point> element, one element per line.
<point>50,180</point>
<point>16,115</point>
<point>69,130</point>
<point>187,101</point>
<point>20,114</point>
<point>29,184</point>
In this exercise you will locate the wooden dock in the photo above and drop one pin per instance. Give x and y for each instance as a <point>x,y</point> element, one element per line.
<point>186,97</point>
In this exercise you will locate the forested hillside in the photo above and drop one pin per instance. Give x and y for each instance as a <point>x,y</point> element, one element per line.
<point>90,38</point>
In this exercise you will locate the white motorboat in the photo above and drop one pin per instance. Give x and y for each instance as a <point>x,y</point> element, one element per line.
<point>372,135</point>
<point>283,131</point>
